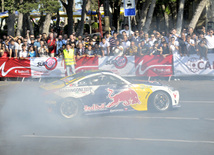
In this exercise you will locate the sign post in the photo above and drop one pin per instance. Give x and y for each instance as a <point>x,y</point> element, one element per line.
<point>129,10</point>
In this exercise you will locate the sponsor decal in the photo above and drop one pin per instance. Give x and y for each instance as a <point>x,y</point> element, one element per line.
<point>196,65</point>
<point>127,98</point>
<point>14,68</point>
<point>94,107</point>
<point>77,90</point>
<point>50,63</point>
<point>119,62</point>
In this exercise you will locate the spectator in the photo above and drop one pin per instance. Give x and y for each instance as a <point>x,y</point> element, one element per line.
<point>19,46</point>
<point>2,49</point>
<point>143,49</point>
<point>136,37</point>
<point>126,43</point>
<point>132,50</point>
<point>126,29</point>
<point>190,43</point>
<point>156,49</point>
<point>69,58</point>
<point>146,39</point>
<point>71,40</point>
<point>166,50</point>
<point>112,42</point>
<point>23,54</point>
<point>43,50</point>
<point>105,47</point>
<point>80,52</point>
<point>182,45</point>
<point>97,50</point>
<point>210,41</point>
<point>59,43</point>
<point>37,44</point>
<point>89,52</point>
<point>65,37</point>
<point>107,36</point>
<point>117,50</point>
<point>152,40</point>
<point>51,45</point>
<point>12,49</point>
<point>174,46</point>
<point>31,52</point>
<point>202,49</point>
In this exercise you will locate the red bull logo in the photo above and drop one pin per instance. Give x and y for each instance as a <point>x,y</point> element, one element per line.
<point>127,98</point>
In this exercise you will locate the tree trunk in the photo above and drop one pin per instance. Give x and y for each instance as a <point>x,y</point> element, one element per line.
<point>10,24</point>
<point>116,15</point>
<point>69,11</point>
<point>106,13</point>
<point>142,14</point>
<point>166,17</point>
<point>150,15</point>
<point>47,22</point>
<point>19,24</point>
<point>30,24</point>
<point>180,16</point>
<point>2,5</point>
<point>197,14</point>
<point>80,28</point>
<point>58,22</point>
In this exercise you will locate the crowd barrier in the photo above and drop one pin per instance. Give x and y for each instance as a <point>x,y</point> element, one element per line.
<point>149,66</point>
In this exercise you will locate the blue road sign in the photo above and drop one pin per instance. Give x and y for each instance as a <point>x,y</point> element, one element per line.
<point>129,8</point>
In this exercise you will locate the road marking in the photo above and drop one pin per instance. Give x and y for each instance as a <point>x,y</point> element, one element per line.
<point>119,138</point>
<point>8,83</point>
<point>197,101</point>
<point>142,117</point>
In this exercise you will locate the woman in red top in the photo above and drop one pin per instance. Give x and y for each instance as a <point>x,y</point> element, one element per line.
<point>52,45</point>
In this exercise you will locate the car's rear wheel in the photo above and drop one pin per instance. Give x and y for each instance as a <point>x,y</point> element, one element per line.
<point>160,101</point>
<point>69,108</point>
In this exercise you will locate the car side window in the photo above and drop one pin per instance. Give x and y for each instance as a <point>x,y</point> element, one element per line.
<point>85,82</point>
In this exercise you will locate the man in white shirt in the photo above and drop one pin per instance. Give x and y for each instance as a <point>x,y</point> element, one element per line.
<point>126,43</point>
<point>105,47</point>
<point>23,54</point>
<point>210,41</point>
<point>127,31</point>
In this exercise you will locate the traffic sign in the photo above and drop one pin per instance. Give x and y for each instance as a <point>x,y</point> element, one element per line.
<point>129,8</point>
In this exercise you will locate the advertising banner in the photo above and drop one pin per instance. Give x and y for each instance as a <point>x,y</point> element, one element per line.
<point>47,67</point>
<point>154,65</point>
<point>86,63</point>
<point>193,65</point>
<point>14,68</point>
<point>122,65</point>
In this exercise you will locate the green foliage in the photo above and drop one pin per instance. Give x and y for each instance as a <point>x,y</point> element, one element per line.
<point>26,6</point>
<point>49,6</point>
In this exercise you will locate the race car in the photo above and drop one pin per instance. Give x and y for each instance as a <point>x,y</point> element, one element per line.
<point>95,92</point>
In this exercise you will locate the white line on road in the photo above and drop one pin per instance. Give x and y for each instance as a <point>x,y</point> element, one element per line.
<point>167,118</point>
<point>197,102</point>
<point>119,138</point>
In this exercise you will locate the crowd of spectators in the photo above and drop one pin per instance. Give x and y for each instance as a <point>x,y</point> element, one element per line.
<point>136,43</point>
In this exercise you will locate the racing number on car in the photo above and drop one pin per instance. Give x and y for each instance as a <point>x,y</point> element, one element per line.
<point>147,95</point>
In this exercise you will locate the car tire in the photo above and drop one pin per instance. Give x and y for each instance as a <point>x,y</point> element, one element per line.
<point>69,108</point>
<point>160,101</point>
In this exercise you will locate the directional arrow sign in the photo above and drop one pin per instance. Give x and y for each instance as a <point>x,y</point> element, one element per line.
<point>129,8</point>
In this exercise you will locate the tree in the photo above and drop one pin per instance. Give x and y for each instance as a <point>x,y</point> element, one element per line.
<point>142,14</point>
<point>47,7</point>
<point>69,11</point>
<point>180,16</point>
<point>197,14</point>
<point>149,16</point>
<point>80,28</point>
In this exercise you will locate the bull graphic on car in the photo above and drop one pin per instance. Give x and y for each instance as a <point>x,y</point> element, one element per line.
<point>127,98</point>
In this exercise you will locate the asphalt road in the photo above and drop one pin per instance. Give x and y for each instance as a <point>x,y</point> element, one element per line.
<point>187,130</point>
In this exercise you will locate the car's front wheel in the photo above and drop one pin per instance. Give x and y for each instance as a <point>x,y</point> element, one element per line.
<point>160,101</point>
<point>69,108</point>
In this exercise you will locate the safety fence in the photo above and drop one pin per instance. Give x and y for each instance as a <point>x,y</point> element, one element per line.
<point>149,66</point>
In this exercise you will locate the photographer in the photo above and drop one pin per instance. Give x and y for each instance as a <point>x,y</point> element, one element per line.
<point>43,50</point>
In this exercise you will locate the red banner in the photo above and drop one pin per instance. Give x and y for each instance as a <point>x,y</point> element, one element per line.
<point>14,68</point>
<point>154,66</point>
<point>86,63</point>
